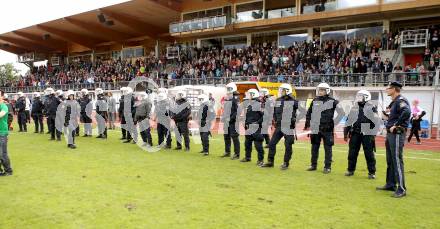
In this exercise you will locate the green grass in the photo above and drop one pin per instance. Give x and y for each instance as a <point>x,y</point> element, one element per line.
<point>107,184</point>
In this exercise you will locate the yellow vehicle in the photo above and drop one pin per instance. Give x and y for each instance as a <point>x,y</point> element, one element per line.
<point>242,87</point>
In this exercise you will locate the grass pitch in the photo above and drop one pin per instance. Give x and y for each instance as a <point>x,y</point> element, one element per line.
<point>107,184</point>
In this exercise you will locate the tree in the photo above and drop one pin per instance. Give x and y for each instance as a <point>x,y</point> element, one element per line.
<point>8,73</point>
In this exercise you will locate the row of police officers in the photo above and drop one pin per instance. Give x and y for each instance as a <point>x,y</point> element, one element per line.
<point>261,113</point>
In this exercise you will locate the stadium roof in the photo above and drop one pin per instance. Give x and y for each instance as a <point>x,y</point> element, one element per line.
<point>117,24</point>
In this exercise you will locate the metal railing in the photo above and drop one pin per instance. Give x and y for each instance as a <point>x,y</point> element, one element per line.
<point>415,79</point>
<point>198,24</point>
<point>414,38</point>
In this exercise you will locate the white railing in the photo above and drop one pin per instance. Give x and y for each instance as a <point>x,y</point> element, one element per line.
<point>414,38</point>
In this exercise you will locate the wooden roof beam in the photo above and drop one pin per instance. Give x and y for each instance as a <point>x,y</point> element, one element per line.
<point>134,23</point>
<point>175,5</point>
<point>72,37</point>
<point>52,43</point>
<point>12,49</point>
<point>100,30</point>
<point>26,44</point>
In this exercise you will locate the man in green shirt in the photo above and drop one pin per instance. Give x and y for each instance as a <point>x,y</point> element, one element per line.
<point>4,131</point>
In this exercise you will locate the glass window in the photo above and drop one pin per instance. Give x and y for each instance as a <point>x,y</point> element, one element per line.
<point>127,53</point>
<point>281,13</point>
<point>132,52</point>
<point>268,38</point>
<point>350,3</point>
<point>214,12</point>
<point>249,11</point>
<point>209,43</point>
<point>138,52</point>
<point>277,8</point>
<point>336,33</point>
<point>190,16</point>
<point>235,42</point>
<point>394,1</point>
<point>312,6</point>
<point>373,30</point>
<point>287,39</point>
<point>116,54</point>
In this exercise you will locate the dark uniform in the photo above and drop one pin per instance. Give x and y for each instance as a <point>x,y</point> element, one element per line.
<point>353,130</point>
<point>322,128</point>
<point>45,104</point>
<point>101,115</point>
<point>86,114</point>
<point>253,125</point>
<point>399,117</point>
<point>37,114</point>
<point>51,107</point>
<point>163,122</point>
<point>130,125</point>
<point>284,127</point>
<point>20,106</point>
<point>180,114</point>
<point>267,103</point>
<point>206,115</point>
<point>142,117</point>
<point>122,118</point>
<point>230,125</point>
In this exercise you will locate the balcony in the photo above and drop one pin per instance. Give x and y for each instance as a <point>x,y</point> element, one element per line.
<point>197,25</point>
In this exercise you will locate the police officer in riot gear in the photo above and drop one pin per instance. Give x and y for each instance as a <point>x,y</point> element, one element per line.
<point>60,95</point>
<point>396,126</point>
<point>71,108</point>
<point>163,120</point>
<point>20,106</point>
<point>37,113</point>
<point>358,135</point>
<point>253,125</point>
<point>129,120</point>
<point>47,93</point>
<point>51,107</point>
<point>121,113</point>
<point>230,122</point>
<point>205,116</point>
<point>143,111</point>
<point>320,119</point>
<point>101,113</point>
<point>181,112</point>
<point>86,112</point>
<point>284,125</point>
<point>267,103</point>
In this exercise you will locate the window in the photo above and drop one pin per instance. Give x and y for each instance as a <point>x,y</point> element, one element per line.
<point>269,38</point>
<point>209,43</point>
<point>350,3</point>
<point>249,11</point>
<point>287,39</point>
<point>235,42</point>
<point>312,6</point>
<point>336,33</point>
<point>203,14</point>
<point>132,52</point>
<point>373,30</point>
<point>277,8</point>
<point>116,55</point>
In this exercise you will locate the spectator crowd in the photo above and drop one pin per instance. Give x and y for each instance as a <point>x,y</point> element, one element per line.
<point>338,61</point>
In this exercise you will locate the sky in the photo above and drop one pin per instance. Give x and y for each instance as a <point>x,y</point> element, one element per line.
<point>17,14</point>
